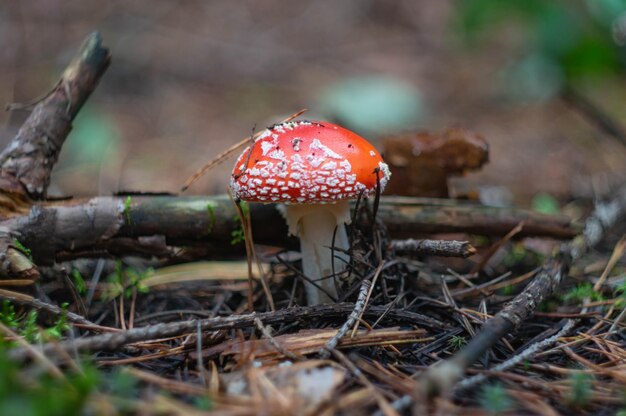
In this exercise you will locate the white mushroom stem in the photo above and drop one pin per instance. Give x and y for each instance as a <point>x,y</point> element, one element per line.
<point>315,225</point>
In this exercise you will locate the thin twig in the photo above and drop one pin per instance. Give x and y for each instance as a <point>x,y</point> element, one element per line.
<point>27,300</point>
<point>442,248</point>
<point>521,357</point>
<point>377,273</point>
<point>225,154</point>
<point>275,343</point>
<point>354,315</point>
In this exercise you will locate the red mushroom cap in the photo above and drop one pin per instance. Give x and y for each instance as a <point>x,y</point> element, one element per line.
<point>306,162</point>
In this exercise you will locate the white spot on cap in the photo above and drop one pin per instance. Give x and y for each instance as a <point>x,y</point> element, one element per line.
<point>386,174</point>
<point>315,161</point>
<point>266,146</point>
<point>317,145</point>
<point>277,154</point>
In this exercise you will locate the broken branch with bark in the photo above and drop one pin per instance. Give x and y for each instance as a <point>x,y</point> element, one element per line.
<point>26,163</point>
<point>152,225</point>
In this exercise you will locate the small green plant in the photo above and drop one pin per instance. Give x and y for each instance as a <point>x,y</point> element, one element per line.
<point>581,292</point>
<point>494,399</point>
<point>79,282</point>
<point>8,316</point>
<point>237,236</point>
<point>520,256</point>
<point>26,325</point>
<point>507,290</point>
<point>210,207</point>
<point>457,342</point>
<point>127,204</point>
<point>29,329</point>
<point>581,389</point>
<point>124,280</point>
<point>21,247</point>
<point>60,326</point>
<point>545,203</point>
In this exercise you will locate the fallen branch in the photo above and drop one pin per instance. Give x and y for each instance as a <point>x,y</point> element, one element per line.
<point>152,225</point>
<point>26,163</point>
<point>114,340</point>
<point>521,357</point>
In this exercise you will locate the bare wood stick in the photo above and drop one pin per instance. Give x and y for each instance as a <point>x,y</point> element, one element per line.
<point>442,248</point>
<point>114,340</point>
<point>26,163</point>
<point>226,153</point>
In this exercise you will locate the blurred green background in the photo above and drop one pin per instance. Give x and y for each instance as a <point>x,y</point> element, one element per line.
<point>189,78</point>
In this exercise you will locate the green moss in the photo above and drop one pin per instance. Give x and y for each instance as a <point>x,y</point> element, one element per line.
<point>581,292</point>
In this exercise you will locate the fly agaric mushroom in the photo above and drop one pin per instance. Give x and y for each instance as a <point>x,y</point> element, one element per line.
<point>315,169</point>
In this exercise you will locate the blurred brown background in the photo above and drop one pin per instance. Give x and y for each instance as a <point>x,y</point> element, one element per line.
<point>189,78</point>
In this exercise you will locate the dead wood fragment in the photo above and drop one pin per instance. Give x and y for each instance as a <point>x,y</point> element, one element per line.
<point>151,225</point>
<point>14,263</point>
<point>26,163</point>
<point>310,341</point>
<point>433,247</point>
<point>113,341</point>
